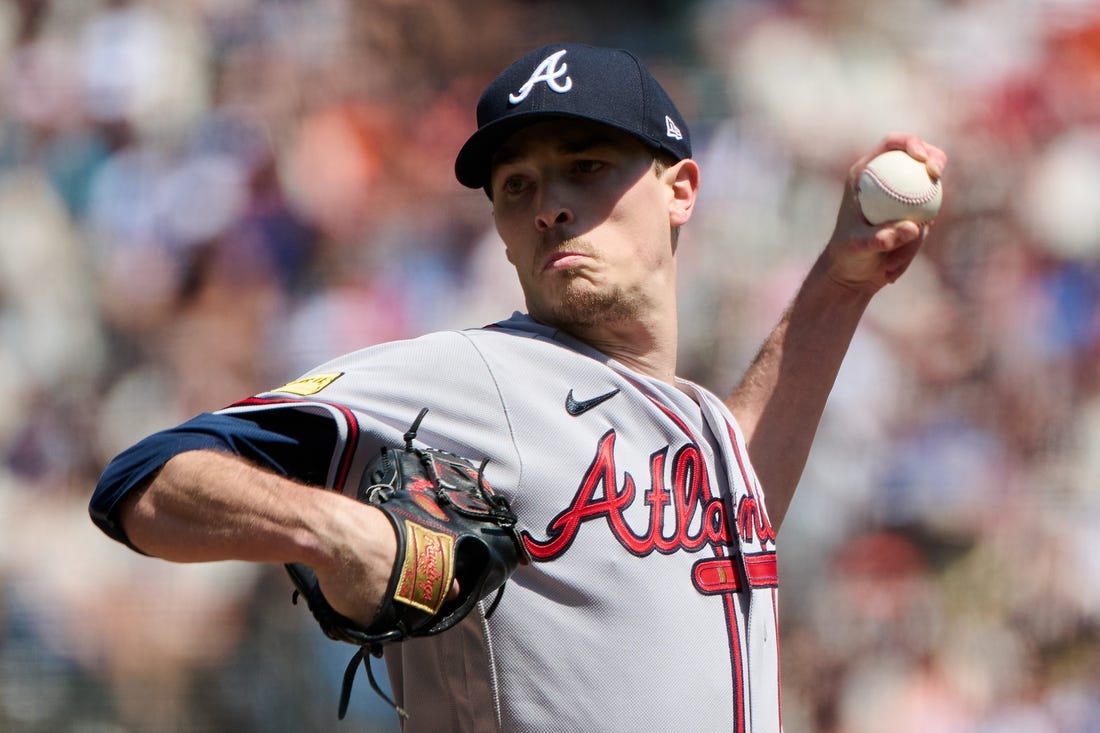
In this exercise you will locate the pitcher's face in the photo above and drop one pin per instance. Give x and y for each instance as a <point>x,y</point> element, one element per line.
<point>586,217</point>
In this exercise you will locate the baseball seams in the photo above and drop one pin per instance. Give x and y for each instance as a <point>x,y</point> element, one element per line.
<point>900,196</point>
<point>894,186</point>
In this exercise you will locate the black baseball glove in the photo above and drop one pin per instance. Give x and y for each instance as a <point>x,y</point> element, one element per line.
<point>449,525</point>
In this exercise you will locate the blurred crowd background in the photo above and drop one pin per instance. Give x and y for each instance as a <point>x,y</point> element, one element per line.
<point>199,199</point>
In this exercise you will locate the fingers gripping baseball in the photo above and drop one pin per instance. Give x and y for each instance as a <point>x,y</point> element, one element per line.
<point>865,256</point>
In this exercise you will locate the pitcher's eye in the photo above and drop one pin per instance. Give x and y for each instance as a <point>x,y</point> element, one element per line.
<point>514,185</point>
<point>588,166</point>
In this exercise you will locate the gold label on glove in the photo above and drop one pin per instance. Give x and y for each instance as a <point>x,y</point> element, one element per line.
<point>427,570</point>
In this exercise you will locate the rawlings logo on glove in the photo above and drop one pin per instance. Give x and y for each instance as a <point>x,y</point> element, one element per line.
<point>449,525</point>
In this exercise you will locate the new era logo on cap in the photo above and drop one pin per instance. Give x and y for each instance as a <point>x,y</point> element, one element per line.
<point>610,86</point>
<point>672,130</point>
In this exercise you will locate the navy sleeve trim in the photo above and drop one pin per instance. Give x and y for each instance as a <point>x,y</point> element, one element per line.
<point>132,468</point>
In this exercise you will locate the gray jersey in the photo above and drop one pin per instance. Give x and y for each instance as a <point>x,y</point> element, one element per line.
<point>651,601</point>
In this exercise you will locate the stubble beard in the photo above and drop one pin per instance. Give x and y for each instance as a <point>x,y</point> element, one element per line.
<point>580,304</point>
<point>584,307</point>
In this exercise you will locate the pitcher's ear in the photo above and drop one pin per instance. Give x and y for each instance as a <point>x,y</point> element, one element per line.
<point>683,177</point>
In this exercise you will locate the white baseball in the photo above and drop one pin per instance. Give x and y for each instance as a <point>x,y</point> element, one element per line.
<point>895,186</point>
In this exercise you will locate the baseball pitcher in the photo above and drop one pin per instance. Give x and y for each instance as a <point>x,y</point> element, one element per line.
<point>537,522</point>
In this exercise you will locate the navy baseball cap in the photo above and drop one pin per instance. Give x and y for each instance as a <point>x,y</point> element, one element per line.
<point>572,80</point>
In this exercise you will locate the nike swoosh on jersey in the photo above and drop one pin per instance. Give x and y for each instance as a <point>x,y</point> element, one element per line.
<point>577,407</point>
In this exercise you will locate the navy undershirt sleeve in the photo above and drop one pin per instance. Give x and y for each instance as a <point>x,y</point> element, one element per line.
<point>134,466</point>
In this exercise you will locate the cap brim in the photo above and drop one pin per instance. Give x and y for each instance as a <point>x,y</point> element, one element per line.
<point>474,160</point>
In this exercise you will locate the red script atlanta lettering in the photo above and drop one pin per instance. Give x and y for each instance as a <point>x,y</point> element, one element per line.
<point>600,496</point>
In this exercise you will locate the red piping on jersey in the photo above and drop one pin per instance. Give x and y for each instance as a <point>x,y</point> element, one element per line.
<point>674,418</point>
<point>750,486</point>
<point>762,508</point>
<point>349,445</point>
<point>728,599</point>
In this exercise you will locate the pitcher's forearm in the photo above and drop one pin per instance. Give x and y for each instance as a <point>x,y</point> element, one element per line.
<point>781,398</point>
<point>206,505</point>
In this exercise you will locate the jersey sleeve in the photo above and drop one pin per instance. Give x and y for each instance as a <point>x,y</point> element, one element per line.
<point>321,428</point>
<point>297,448</point>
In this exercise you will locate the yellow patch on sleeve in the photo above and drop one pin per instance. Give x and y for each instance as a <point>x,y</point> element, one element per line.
<point>309,385</point>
